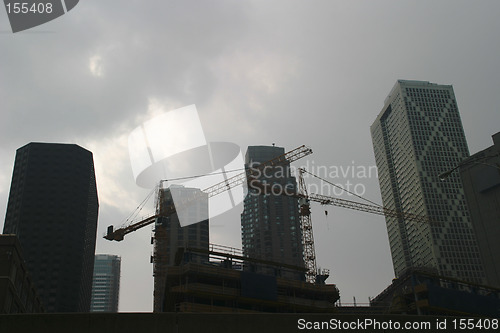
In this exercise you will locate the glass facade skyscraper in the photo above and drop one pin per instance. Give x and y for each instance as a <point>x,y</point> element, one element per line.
<point>417,136</point>
<point>53,209</point>
<point>106,283</point>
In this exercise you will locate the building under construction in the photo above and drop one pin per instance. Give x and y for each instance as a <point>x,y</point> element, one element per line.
<point>268,275</point>
<point>229,282</point>
<point>169,235</point>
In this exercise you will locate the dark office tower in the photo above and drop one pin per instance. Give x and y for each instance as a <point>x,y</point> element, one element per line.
<point>270,224</point>
<point>106,283</point>
<point>171,238</point>
<point>417,136</point>
<point>53,210</point>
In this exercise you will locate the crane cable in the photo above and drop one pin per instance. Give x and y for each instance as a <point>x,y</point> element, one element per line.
<point>203,175</point>
<point>340,187</point>
<point>130,219</point>
<point>139,208</point>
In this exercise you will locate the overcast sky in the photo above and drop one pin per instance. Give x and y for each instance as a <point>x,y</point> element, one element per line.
<point>260,72</point>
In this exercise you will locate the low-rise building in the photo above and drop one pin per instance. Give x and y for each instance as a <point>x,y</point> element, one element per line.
<point>423,292</point>
<point>17,291</point>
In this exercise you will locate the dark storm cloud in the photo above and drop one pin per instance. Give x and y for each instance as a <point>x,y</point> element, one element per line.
<point>142,50</point>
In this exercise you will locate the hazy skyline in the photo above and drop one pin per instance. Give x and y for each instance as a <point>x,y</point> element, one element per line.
<point>285,72</point>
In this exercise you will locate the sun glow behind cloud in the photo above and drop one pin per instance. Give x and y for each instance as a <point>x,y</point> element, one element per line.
<point>95,66</point>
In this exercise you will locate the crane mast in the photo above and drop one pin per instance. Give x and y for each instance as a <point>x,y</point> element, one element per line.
<point>307,231</point>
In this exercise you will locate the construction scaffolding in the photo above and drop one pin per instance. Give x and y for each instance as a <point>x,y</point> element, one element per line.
<point>228,283</point>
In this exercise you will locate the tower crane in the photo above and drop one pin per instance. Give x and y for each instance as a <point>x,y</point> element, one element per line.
<point>162,210</point>
<point>250,175</point>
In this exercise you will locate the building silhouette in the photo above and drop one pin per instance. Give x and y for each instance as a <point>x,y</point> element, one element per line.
<point>270,223</point>
<point>421,292</point>
<point>417,136</point>
<point>105,283</point>
<point>53,208</point>
<point>171,238</point>
<point>223,286</point>
<point>18,294</point>
<point>480,175</point>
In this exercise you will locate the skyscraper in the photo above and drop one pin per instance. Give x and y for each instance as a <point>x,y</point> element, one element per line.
<point>417,136</point>
<point>105,283</point>
<point>270,223</point>
<point>53,209</point>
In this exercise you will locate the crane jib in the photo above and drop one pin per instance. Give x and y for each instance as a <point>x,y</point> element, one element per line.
<point>293,155</point>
